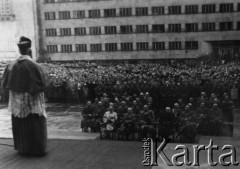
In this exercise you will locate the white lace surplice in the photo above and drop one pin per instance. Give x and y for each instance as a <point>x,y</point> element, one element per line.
<point>23,104</point>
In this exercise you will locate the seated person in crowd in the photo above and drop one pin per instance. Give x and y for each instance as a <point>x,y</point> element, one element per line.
<point>87,114</point>
<point>147,122</point>
<point>149,99</point>
<point>136,108</point>
<point>227,108</point>
<point>166,123</point>
<point>188,127</point>
<point>127,126</point>
<point>109,119</point>
<point>99,111</point>
<point>216,120</point>
<point>203,111</point>
<point>177,111</point>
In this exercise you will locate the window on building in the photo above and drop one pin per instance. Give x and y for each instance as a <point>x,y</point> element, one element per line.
<point>158,45</point>
<point>209,8</point>
<point>50,15</point>
<point>191,27</point>
<point>225,26</point>
<point>174,27</point>
<point>238,7</point>
<point>228,7</point>
<point>66,48</point>
<point>158,28</point>
<point>96,47</point>
<point>172,10</point>
<point>94,13</point>
<point>126,29</point>
<point>142,45</point>
<point>95,30</point>
<point>175,45</point>
<point>51,32</point>
<point>80,31</point>
<point>63,1</point>
<point>126,46</point>
<point>143,11</point>
<point>238,25</point>
<point>81,47</point>
<point>49,1</point>
<point>142,28</point>
<point>191,45</point>
<point>191,9</point>
<point>211,26</point>
<point>65,31</point>
<point>52,48</point>
<point>64,15</point>
<point>109,47</point>
<point>109,12</point>
<point>110,29</point>
<point>158,10</point>
<point>125,11</point>
<point>78,14</point>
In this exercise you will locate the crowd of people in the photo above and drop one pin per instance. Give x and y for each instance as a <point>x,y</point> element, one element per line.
<point>187,85</point>
<point>129,114</point>
<point>165,82</point>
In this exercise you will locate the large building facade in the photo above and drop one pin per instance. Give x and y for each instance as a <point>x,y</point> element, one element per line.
<point>7,32</point>
<point>138,29</point>
<point>17,18</point>
<point>6,10</point>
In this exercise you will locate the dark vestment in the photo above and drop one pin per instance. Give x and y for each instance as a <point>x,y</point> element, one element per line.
<point>30,132</point>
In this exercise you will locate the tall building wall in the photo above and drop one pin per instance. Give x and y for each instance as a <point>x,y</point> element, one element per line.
<point>6,10</point>
<point>11,30</point>
<point>6,7</point>
<point>203,38</point>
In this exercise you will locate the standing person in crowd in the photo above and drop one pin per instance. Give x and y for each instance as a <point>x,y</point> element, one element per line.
<point>234,94</point>
<point>91,90</point>
<point>85,93</point>
<point>80,92</point>
<point>25,80</point>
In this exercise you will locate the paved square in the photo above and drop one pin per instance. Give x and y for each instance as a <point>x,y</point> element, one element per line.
<point>63,121</point>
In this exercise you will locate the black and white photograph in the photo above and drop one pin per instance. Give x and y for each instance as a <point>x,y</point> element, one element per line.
<point>119,84</point>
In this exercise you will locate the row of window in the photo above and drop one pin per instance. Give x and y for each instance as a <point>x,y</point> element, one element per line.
<point>65,1</point>
<point>156,28</point>
<point>141,11</point>
<point>111,47</point>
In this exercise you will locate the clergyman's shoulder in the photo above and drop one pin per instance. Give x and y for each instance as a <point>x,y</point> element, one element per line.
<point>10,65</point>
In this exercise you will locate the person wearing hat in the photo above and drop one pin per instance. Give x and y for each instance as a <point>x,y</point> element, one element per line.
<point>24,78</point>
